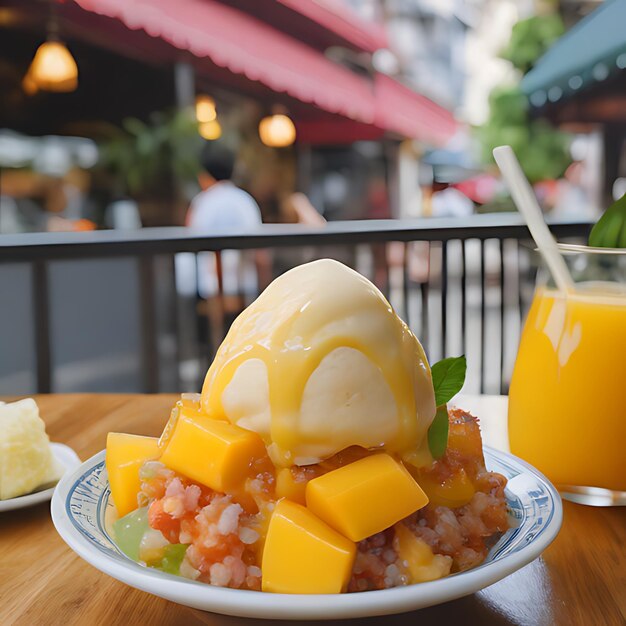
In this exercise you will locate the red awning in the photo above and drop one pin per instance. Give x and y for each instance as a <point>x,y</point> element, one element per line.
<point>245,45</point>
<point>336,131</point>
<point>250,48</point>
<point>339,18</point>
<point>403,111</point>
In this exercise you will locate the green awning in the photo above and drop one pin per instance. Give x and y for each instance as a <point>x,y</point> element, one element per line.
<point>591,52</point>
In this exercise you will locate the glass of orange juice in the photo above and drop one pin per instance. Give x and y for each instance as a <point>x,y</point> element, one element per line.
<point>567,400</point>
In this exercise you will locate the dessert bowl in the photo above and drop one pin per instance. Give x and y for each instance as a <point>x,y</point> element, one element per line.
<point>81,512</point>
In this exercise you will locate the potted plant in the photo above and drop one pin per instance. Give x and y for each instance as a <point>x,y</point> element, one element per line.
<point>152,162</point>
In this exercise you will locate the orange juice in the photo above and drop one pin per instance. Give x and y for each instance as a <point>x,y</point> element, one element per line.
<point>567,404</point>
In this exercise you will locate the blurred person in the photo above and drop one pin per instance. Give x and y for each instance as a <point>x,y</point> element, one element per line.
<point>69,203</point>
<point>296,208</point>
<point>122,214</point>
<point>222,208</point>
<point>221,205</point>
<point>547,192</point>
<point>281,206</point>
<point>446,201</point>
<point>572,201</point>
<point>35,202</point>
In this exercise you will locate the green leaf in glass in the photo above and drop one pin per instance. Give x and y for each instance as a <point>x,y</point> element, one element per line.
<point>610,230</point>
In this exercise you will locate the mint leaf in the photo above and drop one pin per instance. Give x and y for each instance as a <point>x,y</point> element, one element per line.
<point>438,433</point>
<point>448,378</point>
<point>610,230</point>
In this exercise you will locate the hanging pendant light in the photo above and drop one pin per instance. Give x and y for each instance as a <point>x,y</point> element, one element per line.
<point>205,109</point>
<point>210,130</point>
<point>206,114</point>
<point>53,67</point>
<point>277,131</point>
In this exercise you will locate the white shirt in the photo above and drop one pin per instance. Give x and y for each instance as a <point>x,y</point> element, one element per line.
<point>224,208</point>
<point>221,209</point>
<point>451,202</point>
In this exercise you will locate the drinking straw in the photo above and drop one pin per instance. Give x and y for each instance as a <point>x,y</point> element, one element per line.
<point>527,205</point>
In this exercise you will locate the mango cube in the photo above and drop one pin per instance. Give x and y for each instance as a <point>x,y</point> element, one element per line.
<point>214,453</point>
<point>288,487</point>
<point>189,404</point>
<point>421,564</point>
<point>304,555</point>
<point>125,455</point>
<point>455,491</point>
<point>365,497</point>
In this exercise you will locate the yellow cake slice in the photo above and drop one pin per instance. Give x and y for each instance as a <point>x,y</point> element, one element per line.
<point>26,461</point>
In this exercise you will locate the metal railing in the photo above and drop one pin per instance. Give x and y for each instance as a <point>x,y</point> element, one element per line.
<point>462,285</point>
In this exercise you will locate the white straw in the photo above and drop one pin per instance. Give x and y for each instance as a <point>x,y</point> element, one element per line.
<point>527,204</point>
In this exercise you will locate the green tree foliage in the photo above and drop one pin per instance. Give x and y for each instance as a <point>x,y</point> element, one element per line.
<point>531,38</point>
<point>542,150</point>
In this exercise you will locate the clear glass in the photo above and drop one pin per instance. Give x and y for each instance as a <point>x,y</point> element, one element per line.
<point>567,401</point>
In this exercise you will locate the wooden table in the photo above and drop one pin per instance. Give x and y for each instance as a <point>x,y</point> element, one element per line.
<point>580,579</point>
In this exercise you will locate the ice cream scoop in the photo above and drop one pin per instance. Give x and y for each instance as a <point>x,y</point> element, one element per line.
<point>321,362</point>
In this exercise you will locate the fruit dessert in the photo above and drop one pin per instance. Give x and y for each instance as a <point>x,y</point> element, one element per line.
<point>26,461</point>
<point>320,456</point>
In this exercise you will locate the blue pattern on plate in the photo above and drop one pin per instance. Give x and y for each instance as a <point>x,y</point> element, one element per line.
<point>530,499</point>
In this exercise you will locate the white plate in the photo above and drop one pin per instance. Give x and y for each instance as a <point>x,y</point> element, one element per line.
<point>66,457</point>
<point>82,497</point>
